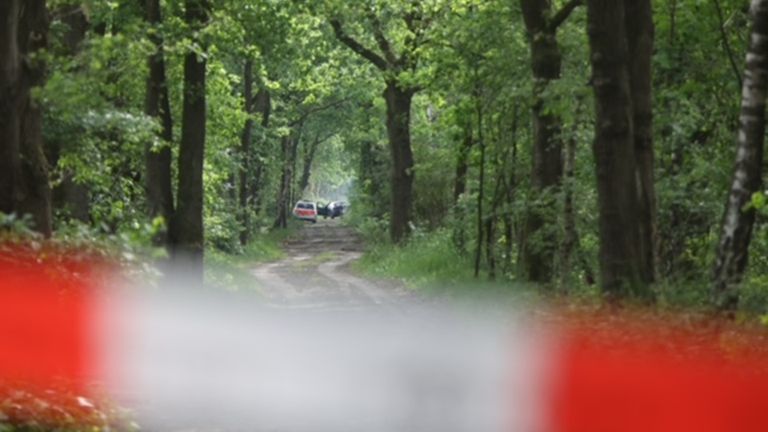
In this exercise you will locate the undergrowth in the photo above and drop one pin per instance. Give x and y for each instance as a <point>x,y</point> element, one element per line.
<point>427,259</point>
<point>429,262</point>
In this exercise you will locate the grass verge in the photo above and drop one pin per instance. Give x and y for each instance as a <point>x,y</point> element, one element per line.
<point>429,262</point>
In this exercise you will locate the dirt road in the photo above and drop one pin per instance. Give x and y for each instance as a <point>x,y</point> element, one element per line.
<point>332,351</point>
<point>316,274</point>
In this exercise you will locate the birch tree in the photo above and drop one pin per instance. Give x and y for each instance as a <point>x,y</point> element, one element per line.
<point>739,217</point>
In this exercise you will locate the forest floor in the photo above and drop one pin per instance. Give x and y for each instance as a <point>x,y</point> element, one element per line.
<point>315,273</point>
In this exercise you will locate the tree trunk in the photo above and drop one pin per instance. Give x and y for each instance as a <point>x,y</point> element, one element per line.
<point>281,221</point>
<point>462,164</point>
<point>491,222</point>
<point>291,179</point>
<point>490,243</point>
<point>620,261</point>
<point>11,92</point>
<point>510,186</point>
<point>307,168</point>
<point>157,105</point>
<point>640,36</point>
<point>246,154</point>
<point>546,175</point>
<point>398,129</point>
<point>288,149</point>
<point>460,186</point>
<point>738,220</point>
<point>570,235</point>
<point>187,226</point>
<point>481,181</point>
<point>24,187</point>
<point>262,105</point>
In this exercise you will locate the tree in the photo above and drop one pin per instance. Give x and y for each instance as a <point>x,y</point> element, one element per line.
<point>547,171</point>
<point>187,224</point>
<point>640,37</point>
<point>620,258</point>
<point>263,106</point>
<point>398,95</point>
<point>24,187</point>
<point>157,105</point>
<point>246,152</point>
<point>739,216</point>
<point>288,148</point>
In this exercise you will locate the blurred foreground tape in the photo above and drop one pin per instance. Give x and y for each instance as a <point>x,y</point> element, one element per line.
<point>44,318</point>
<point>652,379</point>
<point>195,360</point>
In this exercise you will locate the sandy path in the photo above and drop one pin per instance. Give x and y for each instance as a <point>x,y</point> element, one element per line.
<point>315,273</point>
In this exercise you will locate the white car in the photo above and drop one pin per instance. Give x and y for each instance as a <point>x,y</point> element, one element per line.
<point>306,210</point>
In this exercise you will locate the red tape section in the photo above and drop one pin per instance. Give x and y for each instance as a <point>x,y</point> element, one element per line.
<point>623,386</point>
<point>44,318</point>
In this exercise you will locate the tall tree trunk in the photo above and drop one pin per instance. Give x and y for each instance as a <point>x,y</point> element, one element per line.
<point>491,222</point>
<point>291,179</point>
<point>11,92</point>
<point>281,221</point>
<point>736,232</point>
<point>24,187</point>
<point>33,38</point>
<point>157,105</point>
<point>570,235</point>
<point>640,36</point>
<point>481,180</point>
<point>263,106</point>
<point>398,129</point>
<point>246,154</point>
<point>307,168</point>
<point>462,164</point>
<point>620,260</point>
<point>288,148</point>
<point>460,186</point>
<point>510,185</point>
<point>187,227</point>
<point>540,242</point>
<point>490,243</point>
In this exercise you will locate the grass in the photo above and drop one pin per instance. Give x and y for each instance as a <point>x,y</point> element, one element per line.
<point>430,262</point>
<point>232,272</point>
<point>424,260</point>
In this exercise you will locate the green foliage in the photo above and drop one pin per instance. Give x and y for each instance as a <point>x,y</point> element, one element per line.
<point>473,75</point>
<point>428,259</point>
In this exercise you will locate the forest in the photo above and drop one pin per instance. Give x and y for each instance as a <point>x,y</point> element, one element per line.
<point>599,152</point>
<point>583,147</point>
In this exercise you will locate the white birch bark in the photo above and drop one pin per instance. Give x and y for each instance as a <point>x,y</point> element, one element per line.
<point>738,220</point>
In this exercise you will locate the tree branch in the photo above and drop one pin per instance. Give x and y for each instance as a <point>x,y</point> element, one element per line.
<point>563,14</point>
<point>357,47</point>
<point>381,40</point>
<point>303,117</point>
<point>726,44</point>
